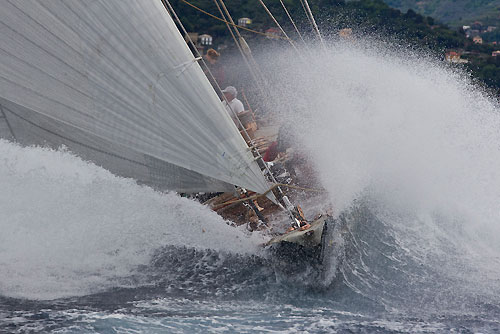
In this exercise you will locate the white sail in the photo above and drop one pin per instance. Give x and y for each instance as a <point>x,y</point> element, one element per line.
<point>115,81</point>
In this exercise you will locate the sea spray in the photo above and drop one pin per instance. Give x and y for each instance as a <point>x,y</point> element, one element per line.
<point>413,139</point>
<point>412,260</point>
<point>71,228</point>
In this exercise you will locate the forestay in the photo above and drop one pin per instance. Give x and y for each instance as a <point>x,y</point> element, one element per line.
<point>114,81</point>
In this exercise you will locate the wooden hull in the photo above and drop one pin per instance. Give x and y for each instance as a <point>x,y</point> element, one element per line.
<point>306,246</point>
<point>307,238</point>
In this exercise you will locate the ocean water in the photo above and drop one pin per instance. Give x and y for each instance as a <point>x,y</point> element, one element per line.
<point>408,150</point>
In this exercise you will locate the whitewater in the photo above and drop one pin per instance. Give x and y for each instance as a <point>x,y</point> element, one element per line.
<point>408,150</point>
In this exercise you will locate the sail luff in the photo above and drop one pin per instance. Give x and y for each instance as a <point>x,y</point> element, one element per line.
<point>121,72</point>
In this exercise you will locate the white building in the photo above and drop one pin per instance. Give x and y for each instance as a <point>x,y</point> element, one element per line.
<point>244,21</point>
<point>205,40</point>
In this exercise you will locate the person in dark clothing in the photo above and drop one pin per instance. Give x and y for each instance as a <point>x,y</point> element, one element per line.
<point>283,142</point>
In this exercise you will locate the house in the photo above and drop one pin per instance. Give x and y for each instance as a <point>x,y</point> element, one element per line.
<point>477,40</point>
<point>273,33</point>
<point>491,28</point>
<point>205,40</point>
<point>495,53</point>
<point>194,36</point>
<point>345,33</point>
<point>244,21</point>
<point>454,57</point>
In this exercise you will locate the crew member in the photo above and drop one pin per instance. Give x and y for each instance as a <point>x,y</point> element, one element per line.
<point>233,106</point>
<point>211,60</point>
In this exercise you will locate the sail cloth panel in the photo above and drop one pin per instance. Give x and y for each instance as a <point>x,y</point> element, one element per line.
<point>120,72</point>
<point>28,128</point>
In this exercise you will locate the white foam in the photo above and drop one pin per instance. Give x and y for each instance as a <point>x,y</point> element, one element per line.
<point>405,130</point>
<point>71,228</point>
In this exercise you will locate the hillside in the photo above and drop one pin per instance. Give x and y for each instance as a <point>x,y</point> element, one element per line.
<point>454,12</point>
<point>363,17</point>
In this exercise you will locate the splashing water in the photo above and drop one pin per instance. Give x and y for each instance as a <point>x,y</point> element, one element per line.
<point>72,228</point>
<point>413,137</point>
<point>407,149</point>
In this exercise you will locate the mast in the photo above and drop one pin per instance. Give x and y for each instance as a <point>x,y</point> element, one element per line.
<point>294,212</point>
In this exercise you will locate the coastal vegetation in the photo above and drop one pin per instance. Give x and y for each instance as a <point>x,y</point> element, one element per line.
<point>364,16</point>
<point>454,12</point>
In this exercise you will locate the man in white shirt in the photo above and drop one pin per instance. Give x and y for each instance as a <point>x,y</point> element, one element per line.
<point>235,106</point>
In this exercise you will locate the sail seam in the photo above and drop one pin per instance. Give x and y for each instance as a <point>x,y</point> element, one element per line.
<point>95,82</point>
<point>7,121</point>
<point>72,140</point>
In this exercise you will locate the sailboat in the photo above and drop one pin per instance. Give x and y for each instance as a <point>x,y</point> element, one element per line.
<point>115,82</point>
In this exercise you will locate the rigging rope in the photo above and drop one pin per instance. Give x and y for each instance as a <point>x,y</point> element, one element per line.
<point>253,75</point>
<point>279,26</point>
<point>276,185</point>
<point>305,11</point>
<point>291,20</point>
<point>313,21</point>
<point>170,9</point>
<point>245,50</point>
<point>232,23</point>
<point>262,78</point>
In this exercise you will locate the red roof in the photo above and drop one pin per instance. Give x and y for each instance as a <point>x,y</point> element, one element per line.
<point>273,31</point>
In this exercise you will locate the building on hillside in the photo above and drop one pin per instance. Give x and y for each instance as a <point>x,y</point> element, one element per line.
<point>273,33</point>
<point>193,36</point>
<point>495,53</point>
<point>454,57</point>
<point>477,40</point>
<point>451,56</point>
<point>491,28</point>
<point>345,33</point>
<point>205,40</point>
<point>244,21</point>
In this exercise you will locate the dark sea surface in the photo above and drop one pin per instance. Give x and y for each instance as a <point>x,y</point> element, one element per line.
<point>368,284</point>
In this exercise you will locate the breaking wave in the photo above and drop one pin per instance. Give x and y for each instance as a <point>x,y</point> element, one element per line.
<point>413,146</point>
<point>407,148</point>
<point>72,228</point>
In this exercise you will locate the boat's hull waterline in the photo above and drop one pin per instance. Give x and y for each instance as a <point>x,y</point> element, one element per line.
<point>306,246</point>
